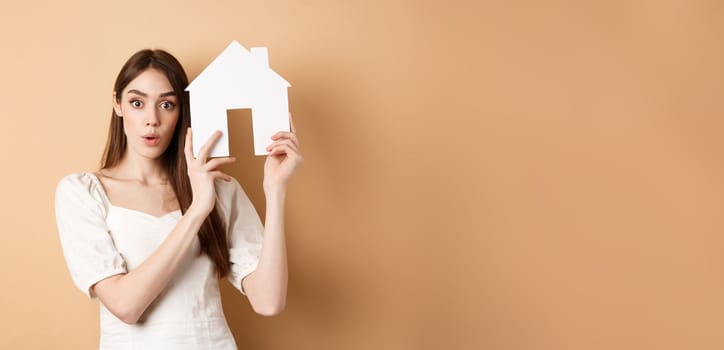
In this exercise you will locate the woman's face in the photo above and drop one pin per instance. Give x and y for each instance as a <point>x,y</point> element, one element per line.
<point>149,108</point>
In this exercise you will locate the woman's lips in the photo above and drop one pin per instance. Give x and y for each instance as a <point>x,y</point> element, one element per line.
<point>151,139</point>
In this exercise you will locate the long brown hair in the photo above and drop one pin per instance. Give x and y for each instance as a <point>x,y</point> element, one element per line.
<point>212,235</point>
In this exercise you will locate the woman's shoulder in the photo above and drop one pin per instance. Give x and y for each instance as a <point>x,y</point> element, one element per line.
<point>229,194</point>
<point>79,185</point>
<point>82,179</point>
<point>227,190</point>
<point>227,186</point>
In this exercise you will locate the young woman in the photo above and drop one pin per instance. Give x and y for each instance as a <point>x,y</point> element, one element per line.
<point>151,233</point>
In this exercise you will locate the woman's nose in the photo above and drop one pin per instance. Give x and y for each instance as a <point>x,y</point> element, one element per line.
<point>152,119</point>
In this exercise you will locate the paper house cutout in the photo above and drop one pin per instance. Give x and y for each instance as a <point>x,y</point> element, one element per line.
<point>238,78</point>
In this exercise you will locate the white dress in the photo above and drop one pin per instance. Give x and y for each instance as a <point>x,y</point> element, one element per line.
<point>100,240</point>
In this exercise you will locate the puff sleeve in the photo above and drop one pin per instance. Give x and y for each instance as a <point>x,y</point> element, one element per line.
<point>80,213</point>
<point>244,230</point>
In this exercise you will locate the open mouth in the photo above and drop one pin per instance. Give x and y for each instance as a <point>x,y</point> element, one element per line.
<point>151,139</point>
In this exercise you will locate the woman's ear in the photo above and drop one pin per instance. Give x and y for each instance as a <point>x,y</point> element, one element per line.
<point>116,105</point>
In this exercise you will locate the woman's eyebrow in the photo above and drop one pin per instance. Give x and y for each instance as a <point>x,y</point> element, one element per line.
<point>134,91</point>
<point>170,93</point>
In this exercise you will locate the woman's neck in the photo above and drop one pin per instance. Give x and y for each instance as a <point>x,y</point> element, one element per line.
<point>143,170</point>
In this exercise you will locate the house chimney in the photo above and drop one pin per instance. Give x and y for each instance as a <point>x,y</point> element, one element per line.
<point>260,55</point>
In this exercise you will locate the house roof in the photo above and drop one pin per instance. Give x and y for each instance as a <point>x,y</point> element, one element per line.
<point>237,59</point>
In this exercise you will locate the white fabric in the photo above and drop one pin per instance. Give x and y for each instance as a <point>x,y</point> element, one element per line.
<point>100,240</point>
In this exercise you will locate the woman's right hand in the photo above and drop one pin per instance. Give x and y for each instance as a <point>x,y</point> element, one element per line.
<point>202,173</point>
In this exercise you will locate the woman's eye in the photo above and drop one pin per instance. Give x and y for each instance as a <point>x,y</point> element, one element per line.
<point>136,103</point>
<point>167,105</point>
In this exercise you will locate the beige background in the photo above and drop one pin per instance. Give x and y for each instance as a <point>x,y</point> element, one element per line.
<point>490,175</point>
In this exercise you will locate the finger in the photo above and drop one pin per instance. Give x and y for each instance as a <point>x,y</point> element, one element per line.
<point>220,175</point>
<point>277,151</point>
<point>206,148</point>
<point>286,135</point>
<point>282,142</point>
<point>294,139</point>
<point>282,134</point>
<point>217,162</point>
<point>291,123</point>
<point>288,152</point>
<point>188,147</point>
<point>283,149</point>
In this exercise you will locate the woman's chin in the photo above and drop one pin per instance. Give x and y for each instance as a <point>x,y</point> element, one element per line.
<point>150,152</point>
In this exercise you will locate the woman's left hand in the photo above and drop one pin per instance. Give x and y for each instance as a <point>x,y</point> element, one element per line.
<point>283,159</point>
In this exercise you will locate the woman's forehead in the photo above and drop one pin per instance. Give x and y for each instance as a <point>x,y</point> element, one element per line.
<point>151,82</point>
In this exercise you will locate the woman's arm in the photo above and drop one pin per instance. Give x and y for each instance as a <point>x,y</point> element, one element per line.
<point>128,295</point>
<point>266,287</point>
